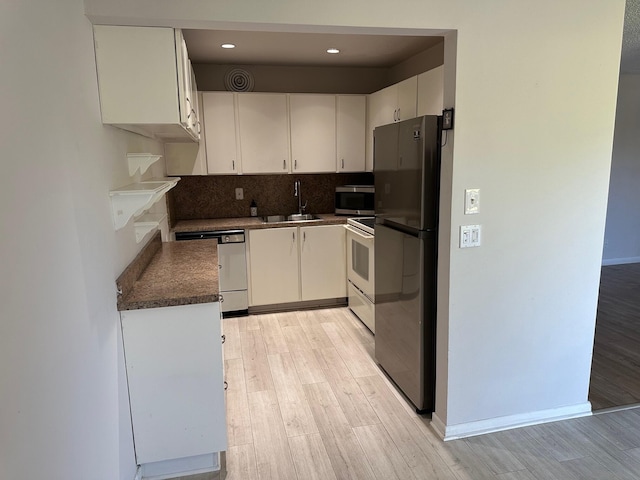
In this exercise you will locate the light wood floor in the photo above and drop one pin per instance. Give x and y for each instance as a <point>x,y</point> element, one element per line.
<point>306,401</point>
<point>615,373</point>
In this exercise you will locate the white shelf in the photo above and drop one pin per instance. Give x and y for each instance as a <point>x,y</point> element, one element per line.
<point>132,200</point>
<point>141,161</point>
<point>146,223</point>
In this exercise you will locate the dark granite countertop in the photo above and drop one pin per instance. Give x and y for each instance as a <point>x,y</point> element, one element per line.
<point>176,273</point>
<point>249,223</point>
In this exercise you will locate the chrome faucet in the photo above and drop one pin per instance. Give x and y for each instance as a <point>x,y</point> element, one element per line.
<point>297,192</point>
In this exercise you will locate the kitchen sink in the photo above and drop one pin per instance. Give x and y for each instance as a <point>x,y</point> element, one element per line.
<point>296,217</point>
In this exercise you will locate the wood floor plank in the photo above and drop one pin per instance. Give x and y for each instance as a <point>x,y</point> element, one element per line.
<point>357,360</point>
<point>256,366</point>
<point>353,402</point>
<point>383,455</point>
<point>238,419</point>
<point>589,469</point>
<point>402,429</point>
<point>273,456</point>
<point>296,414</point>
<point>231,332</point>
<point>312,328</point>
<point>615,372</point>
<point>495,454</point>
<point>272,335</point>
<point>295,337</point>
<point>250,322</point>
<point>241,463</point>
<point>342,445</point>
<point>332,364</point>
<point>310,458</point>
<point>308,367</point>
<point>288,319</point>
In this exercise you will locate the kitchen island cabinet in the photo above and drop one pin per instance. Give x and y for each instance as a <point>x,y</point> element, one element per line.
<point>297,264</point>
<point>170,316</point>
<point>176,387</point>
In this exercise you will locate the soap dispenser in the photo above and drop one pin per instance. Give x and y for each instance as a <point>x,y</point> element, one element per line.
<point>254,208</point>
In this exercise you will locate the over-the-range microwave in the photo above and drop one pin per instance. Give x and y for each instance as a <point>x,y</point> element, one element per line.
<point>355,200</point>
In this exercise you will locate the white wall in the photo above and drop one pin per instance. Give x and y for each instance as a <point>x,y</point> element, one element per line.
<point>535,95</point>
<point>622,235</point>
<point>63,401</point>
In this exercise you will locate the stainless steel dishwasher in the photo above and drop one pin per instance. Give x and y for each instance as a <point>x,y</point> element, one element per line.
<point>232,268</point>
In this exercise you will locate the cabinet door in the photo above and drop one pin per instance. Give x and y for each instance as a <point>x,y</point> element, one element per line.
<point>264,132</point>
<point>313,133</point>
<point>323,262</point>
<point>407,99</point>
<point>175,375</point>
<point>220,132</point>
<point>431,92</point>
<point>273,266</point>
<point>382,111</point>
<point>351,132</point>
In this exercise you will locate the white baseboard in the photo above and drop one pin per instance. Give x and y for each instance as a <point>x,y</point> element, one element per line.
<point>180,467</point>
<point>480,427</point>
<point>619,261</point>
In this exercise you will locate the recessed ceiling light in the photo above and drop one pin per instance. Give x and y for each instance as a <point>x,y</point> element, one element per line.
<point>333,50</point>
<point>228,45</point>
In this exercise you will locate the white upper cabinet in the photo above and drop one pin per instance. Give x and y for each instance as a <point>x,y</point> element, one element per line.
<point>391,104</point>
<point>313,133</point>
<point>264,132</point>
<point>143,82</point>
<point>351,118</point>
<point>220,133</point>
<point>431,92</point>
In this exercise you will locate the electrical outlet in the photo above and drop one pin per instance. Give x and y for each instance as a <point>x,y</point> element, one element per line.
<point>239,194</point>
<point>471,201</point>
<point>470,236</point>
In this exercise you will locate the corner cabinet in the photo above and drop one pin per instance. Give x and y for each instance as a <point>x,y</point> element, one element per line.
<point>431,92</point>
<point>176,385</point>
<point>294,264</point>
<point>145,82</point>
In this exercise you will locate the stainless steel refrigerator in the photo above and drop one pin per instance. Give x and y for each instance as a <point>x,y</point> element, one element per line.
<point>407,177</point>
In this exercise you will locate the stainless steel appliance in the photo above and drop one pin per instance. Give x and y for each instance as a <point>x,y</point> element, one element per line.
<point>355,200</point>
<point>232,265</point>
<point>360,268</point>
<point>407,173</point>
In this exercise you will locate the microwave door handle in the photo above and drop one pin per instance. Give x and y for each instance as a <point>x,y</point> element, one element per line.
<point>358,232</point>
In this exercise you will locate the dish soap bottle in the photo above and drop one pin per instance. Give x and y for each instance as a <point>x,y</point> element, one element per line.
<point>254,208</point>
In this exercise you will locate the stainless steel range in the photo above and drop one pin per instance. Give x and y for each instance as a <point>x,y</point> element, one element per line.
<point>360,269</point>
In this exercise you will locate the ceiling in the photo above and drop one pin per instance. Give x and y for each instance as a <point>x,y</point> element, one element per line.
<point>303,49</point>
<point>309,49</point>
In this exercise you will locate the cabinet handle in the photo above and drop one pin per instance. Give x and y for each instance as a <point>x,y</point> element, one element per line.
<point>304,237</point>
<point>224,338</point>
<point>233,164</point>
<point>199,128</point>
<point>284,164</point>
<point>293,236</point>
<point>295,164</point>
<point>343,163</point>
<point>398,114</point>
<point>395,112</point>
<point>226,385</point>
<point>221,298</point>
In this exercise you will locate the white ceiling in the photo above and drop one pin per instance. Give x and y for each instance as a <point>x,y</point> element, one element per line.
<point>303,49</point>
<point>309,49</point>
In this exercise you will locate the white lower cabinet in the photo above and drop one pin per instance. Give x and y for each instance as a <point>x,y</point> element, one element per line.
<point>294,264</point>
<point>176,386</point>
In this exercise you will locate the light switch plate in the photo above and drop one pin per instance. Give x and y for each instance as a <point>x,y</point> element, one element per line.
<point>239,194</point>
<point>470,236</point>
<point>471,201</point>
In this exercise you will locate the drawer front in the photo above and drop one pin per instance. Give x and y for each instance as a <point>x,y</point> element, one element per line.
<point>362,307</point>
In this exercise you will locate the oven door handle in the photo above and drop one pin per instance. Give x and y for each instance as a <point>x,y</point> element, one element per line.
<point>360,233</point>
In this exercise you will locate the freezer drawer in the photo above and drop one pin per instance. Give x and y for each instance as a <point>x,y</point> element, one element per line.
<point>234,301</point>
<point>363,308</point>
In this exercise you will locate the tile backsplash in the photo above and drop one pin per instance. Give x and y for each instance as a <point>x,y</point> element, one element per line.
<point>214,196</point>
